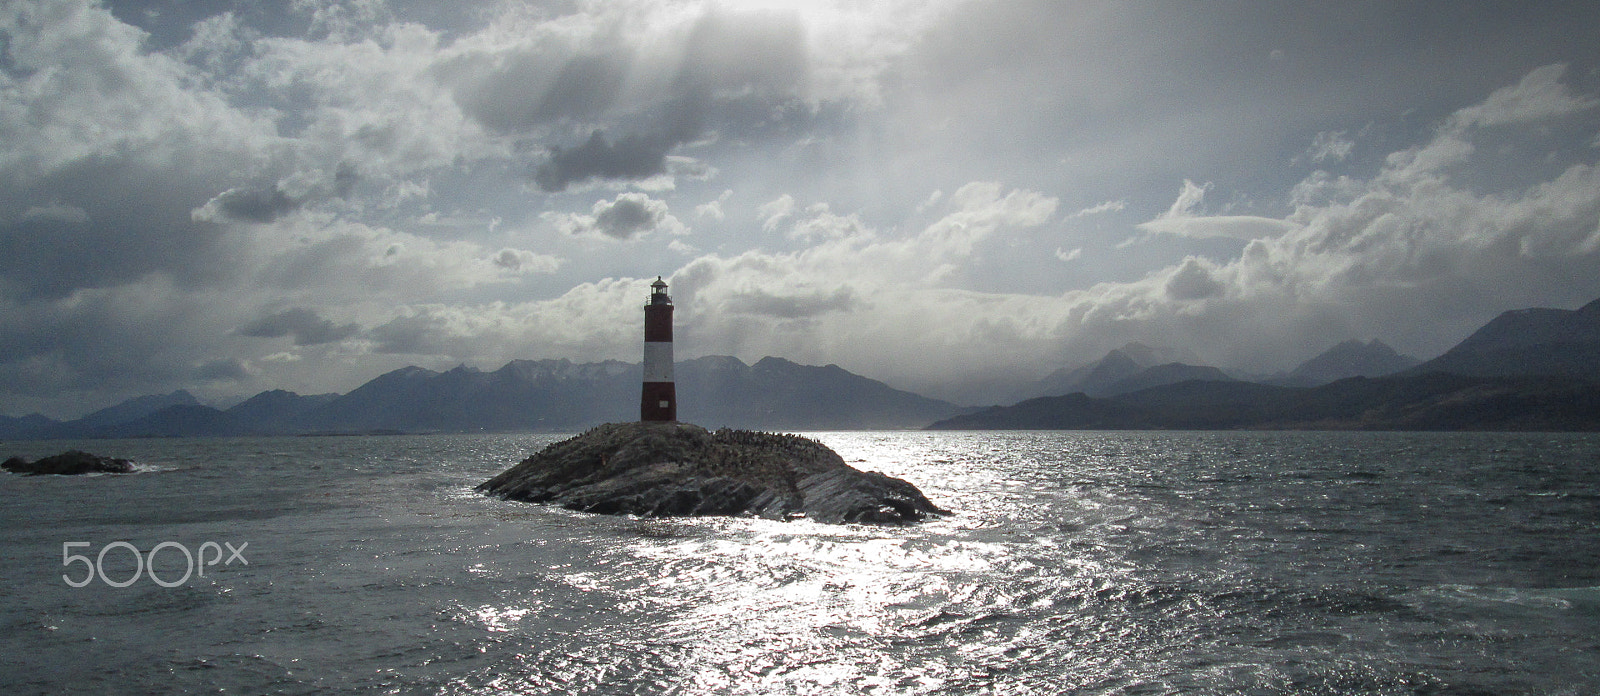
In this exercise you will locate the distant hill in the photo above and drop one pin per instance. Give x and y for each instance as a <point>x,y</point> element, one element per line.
<point>1129,368</point>
<point>1351,358</point>
<point>1091,378</point>
<point>1434,401</point>
<point>525,395</point>
<point>39,427</point>
<point>136,408</point>
<point>1170,373</point>
<point>25,426</point>
<point>1528,342</point>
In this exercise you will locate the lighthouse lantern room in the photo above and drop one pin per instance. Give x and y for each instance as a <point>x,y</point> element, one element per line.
<point>658,400</point>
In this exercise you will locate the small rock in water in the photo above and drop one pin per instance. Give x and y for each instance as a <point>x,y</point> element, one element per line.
<point>678,469</point>
<point>69,464</point>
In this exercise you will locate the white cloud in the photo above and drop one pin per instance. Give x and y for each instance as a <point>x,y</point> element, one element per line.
<point>597,321</point>
<point>85,89</point>
<point>775,211</point>
<point>524,261</point>
<point>713,209</point>
<point>1538,95</point>
<point>1067,256</point>
<point>1330,145</point>
<point>1245,227</point>
<point>336,260</point>
<point>1183,220</point>
<point>1194,279</point>
<point>1106,207</point>
<point>867,299</point>
<point>818,222</point>
<point>1188,201</point>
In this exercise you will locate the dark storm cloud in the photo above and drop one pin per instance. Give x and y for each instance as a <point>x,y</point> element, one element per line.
<point>415,335</point>
<point>508,100</point>
<point>128,221</point>
<point>736,67</point>
<point>625,218</point>
<point>127,340</point>
<point>265,203</point>
<point>222,370</point>
<point>306,326</point>
<point>261,205</point>
<point>629,215</point>
<point>632,157</point>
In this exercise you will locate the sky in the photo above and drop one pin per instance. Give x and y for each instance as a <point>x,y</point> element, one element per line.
<point>949,196</point>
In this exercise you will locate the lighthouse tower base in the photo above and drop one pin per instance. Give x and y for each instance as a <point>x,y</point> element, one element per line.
<point>658,402</point>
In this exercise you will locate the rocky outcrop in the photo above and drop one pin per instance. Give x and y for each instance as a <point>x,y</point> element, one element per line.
<point>69,464</point>
<point>678,469</point>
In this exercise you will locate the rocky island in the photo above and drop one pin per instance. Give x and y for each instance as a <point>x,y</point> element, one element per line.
<point>659,469</point>
<point>69,464</point>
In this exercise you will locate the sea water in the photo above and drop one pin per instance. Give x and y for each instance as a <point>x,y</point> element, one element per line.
<point>1075,563</point>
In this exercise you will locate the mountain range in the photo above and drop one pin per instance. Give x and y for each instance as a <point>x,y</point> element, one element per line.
<point>523,396</point>
<point>1528,341</point>
<point>1535,369</point>
<point>1525,369</point>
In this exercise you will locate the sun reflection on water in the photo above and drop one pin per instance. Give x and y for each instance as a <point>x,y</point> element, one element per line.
<point>1027,588</point>
<point>773,607</point>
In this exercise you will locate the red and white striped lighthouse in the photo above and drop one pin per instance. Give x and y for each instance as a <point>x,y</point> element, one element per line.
<point>658,401</point>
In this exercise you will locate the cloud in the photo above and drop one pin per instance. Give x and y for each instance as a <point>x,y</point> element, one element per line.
<point>1537,96</point>
<point>1192,280</point>
<point>1330,145</point>
<point>263,204</point>
<point>791,306</point>
<point>627,216</point>
<point>1405,254</point>
<point>656,78</point>
<point>1182,219</point>
<point>247,205</point>
<point>222,370</point>
<point>516,83</point>
<point>1188,200</point>
<point>1244,227</point>
<point>867,298</point>
<point>93,125</point>
<point>727,64</point>
<point>774,212</point>
<point>1106,207</point>
<point>165,183</point>
<point>415,334</point>
<point>137,338</point>
<point>56,213</point>
<point>632,157</point>
<point>524,261</point>
<point>598,321</point>
<point>713,209</point>
<point>304,325</point>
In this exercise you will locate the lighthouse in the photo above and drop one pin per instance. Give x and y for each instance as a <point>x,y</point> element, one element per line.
<point>658,401</point>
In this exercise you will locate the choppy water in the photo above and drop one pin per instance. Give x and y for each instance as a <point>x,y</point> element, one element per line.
<point>1085,563</point>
